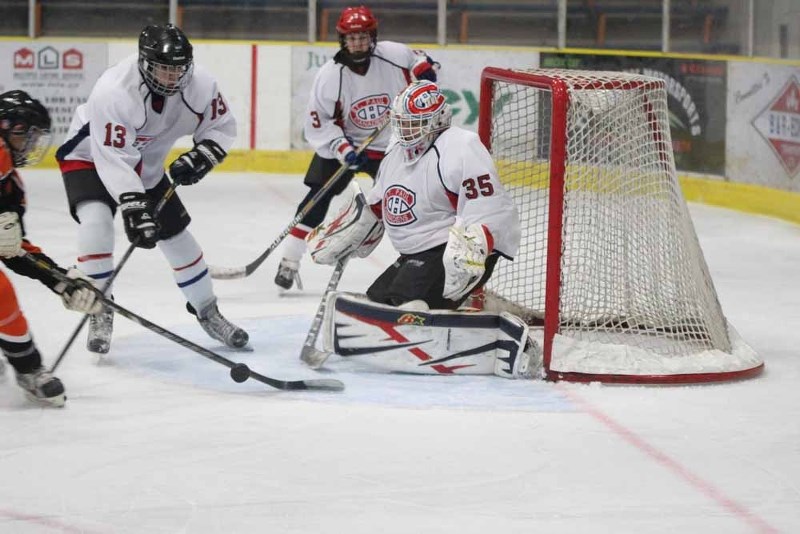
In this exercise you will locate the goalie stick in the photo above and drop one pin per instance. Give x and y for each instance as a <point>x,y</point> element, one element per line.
<point>239,371</point>
<point>232,273</point>
<point>161,203</point>
<point>309,353</point>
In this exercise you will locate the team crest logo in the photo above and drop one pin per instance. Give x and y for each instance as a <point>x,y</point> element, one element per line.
<point>780,126</point>
<point>368,112</point>
<point>424,100</point>
<point>398,204</point>
<point>410,318</point>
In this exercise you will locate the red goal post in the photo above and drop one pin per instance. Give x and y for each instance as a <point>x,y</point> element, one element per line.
<point>609,265</point>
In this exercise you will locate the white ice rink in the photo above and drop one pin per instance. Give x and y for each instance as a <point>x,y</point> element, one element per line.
<point>160,440</point>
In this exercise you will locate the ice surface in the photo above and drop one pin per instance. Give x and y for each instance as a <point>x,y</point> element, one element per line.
<point>157,439</point>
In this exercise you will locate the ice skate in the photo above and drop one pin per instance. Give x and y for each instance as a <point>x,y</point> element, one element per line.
<point>101,326</point>
<point>218,327</point>
<point>40,385</point>
<point>288,274</point>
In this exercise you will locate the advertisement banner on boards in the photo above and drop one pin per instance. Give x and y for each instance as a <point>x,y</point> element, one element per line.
<point>763,145</point>
<point>459,79</point>
<point>696,98</point>
<point>60,75</point>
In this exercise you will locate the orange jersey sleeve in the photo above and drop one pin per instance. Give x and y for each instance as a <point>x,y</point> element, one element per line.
<point>6,162</point>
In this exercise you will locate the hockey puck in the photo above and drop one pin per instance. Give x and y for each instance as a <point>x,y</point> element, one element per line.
<point>240,372</point>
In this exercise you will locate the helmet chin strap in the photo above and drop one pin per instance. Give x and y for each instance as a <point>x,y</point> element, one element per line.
<point>357,65</point>
<point>360,57</point>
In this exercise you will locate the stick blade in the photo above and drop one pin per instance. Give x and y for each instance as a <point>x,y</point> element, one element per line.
<point>316,384</point>
<point>321,384</point>
<point>313,357</point>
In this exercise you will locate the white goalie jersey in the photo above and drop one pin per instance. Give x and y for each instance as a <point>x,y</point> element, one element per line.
<point>455,178</point>
<point>127,136</point>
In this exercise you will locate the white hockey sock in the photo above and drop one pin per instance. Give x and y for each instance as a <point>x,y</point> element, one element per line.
<point>189,268</point>
<point>95,240</point>
<point>295,245</point>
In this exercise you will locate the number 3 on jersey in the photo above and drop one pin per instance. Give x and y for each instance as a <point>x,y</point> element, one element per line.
<point>478,187</point>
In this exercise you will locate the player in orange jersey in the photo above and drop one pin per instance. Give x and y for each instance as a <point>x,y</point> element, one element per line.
<point>24,138</point>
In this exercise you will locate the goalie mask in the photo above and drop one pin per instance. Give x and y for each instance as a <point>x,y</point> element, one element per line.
<point>419,114</point>
<point>165,59</point>
<point>358,32</point>
<point>25,127</point>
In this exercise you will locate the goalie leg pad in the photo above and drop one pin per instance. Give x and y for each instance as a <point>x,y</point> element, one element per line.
<point>425,342</point>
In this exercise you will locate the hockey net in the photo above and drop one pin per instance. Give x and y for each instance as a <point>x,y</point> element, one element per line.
<point>609,263</point>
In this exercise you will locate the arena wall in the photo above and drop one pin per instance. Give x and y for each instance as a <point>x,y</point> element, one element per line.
<point>735,121</point>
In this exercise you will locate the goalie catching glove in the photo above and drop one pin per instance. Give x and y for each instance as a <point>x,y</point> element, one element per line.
<point>192,166</point>
<point>354,231</point>
<point>78,295</point>
<point>465,259</point>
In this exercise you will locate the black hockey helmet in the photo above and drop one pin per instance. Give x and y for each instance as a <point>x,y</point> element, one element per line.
<point>165,59</point>
<point>357,19</point>
<point>24,126</point>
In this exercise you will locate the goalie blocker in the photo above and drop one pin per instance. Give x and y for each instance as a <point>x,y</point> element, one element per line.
<point>354,231</point>
<point>431,341</point>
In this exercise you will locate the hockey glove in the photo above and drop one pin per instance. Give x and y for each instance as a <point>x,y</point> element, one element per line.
<point>425,68</point>
<point>465,259</point>
<point>137,215</point>
<point>346,153</point>
<point>10,234</point>
<point>190,167</point>
<point>78,295</point>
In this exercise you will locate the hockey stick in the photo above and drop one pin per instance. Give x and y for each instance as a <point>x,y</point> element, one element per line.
<point>310,354</point>
<point>239,372</point>
<point>161,203</point>
<point>232,273</point>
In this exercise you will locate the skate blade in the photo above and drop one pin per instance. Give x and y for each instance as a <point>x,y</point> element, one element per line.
<point>100,360</point>
<point>56,402</point>
<point>228,348</point>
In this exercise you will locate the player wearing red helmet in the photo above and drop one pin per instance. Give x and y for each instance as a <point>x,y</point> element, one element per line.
<point>351,96</point>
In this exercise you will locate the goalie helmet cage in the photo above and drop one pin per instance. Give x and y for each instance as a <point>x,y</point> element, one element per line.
<point>609,263</point>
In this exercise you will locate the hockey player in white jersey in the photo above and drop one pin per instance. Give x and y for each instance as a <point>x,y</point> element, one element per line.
<point>114,155</point>
<point>350,97</point>
<point>438,197</point>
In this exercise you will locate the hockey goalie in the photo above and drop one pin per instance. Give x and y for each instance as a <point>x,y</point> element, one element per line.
<point>438,197</point>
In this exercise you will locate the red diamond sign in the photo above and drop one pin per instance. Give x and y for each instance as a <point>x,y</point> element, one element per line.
<point>779,123</point>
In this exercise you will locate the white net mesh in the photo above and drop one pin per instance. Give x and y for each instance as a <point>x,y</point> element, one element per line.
<point>635,295</point>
